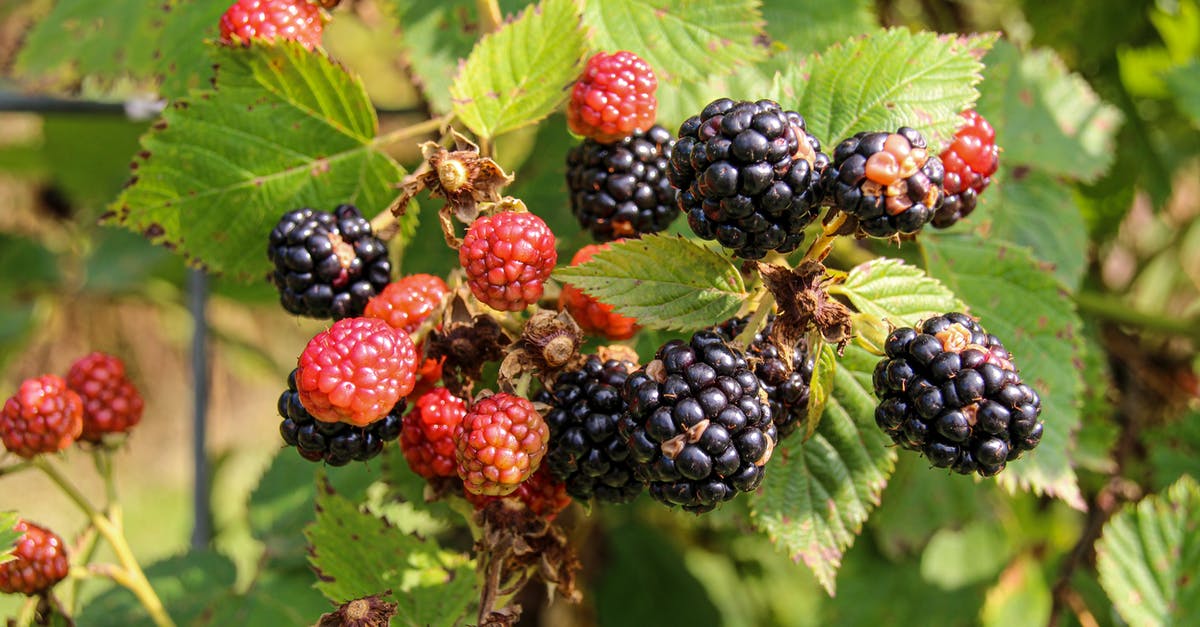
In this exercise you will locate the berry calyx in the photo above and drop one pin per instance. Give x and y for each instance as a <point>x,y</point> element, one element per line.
<point>499,444</point>
<point>951,391</point>
<point>747,175</point>
<point>335,443</point>
<point>508,257</point>
<point>427,437</point>
<point>544,495</point>
<point>613,98</point>
<point>698,427</point>
<point>111,403</point>
<point>593,316</point>
<point>887,183</point>
<point>298,20</point>
<point>44,416</point>
<point>970,161</point>
<point>356,371</point>
<point>40,561</point>
<point>327,265</point>
<point>621,189</point>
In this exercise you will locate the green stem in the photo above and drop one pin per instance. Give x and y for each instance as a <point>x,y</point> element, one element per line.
<point>130,574</point>
<point>820,247</point>
<point>15,468</point>
<point>1114,310</point>
<point>85,550</point>
<point>757,321</point>
<point>412,130</point>
<point>489,14</point>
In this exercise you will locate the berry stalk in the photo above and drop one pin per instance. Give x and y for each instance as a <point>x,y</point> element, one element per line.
<point>489,14</point>
<point>129,574</point>
<point>821,246</point>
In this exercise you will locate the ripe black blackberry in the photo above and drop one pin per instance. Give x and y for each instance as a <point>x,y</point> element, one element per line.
<point>621,189</point>
<point>748,176</point>
<point>585,451</point>
<point>887,183</point>
<point>327,265</point>
<point>786,386</point>
<point>949,390</point>
<point>698,427</point>
<point>335,443</point>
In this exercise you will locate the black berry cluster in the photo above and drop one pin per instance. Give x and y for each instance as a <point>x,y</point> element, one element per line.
<point>335,443</point>
<point>950,390</point>
<point>585,451</point>
<point>887,182</point>
<point>621,190</point>
<point>698,426</point>
<point>748,176</point>
<point>786,385</point>
<point>327,265</point>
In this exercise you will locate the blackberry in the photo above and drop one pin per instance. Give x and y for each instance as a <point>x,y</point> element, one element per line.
<point>621,190</point>
<point>970,161</point>
<point>698,426</point>
<point>327,265</point>
<point>949,390</point>
<point>586,452</point>
<point>887,182</point>
<point>786,385</point>
<point>747,175</point>
<point>335,443</point>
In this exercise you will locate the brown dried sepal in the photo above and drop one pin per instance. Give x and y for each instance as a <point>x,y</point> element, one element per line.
<point>466,341</point>
<point>516,546</point>
<point>804,304</point>
<point>370,611</point>
<point>548,345</point>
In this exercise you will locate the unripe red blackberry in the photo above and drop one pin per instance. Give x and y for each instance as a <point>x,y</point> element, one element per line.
<point>508,256</point>
<point>111,403</point>
<point>298,20</point>
<point>887,182</point>
<point>613,98</point>
<point>40,561</point>
<point>747,175</point>
<point>327,265</point>
<point>949,390</point>
<point>427,438</point>
<point>335,443</point>
<point>500,443</point>
<point>970,162</point>
<point>787,386</point>
<point>541,493</point>
<point>698,427</point>
<point>586,452</point>
<point>621,189</point>
<point>44,416</point>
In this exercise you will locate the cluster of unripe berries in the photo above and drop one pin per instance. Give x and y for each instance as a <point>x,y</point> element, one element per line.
<point>94,405</point>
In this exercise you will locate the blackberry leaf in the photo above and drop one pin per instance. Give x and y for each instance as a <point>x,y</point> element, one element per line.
<point>8,535</point>
<point>812,25</point>
<point>896,292</point>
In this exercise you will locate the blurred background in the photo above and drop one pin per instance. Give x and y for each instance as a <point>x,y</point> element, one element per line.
<point>69,286</point>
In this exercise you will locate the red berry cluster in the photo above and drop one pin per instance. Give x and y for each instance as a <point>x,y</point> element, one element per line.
<point>500,443</point>
<point>427,437</point>
<point>613,98</point>
<point>40,561</point>
<point>406,304</point>
<point>298,20</point>
<point>111,403</point>
<point>508,257</point>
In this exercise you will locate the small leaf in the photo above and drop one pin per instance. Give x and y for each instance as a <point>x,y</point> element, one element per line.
<point>683,40</point>
<point>356,554</point>
<point>1045,116</point>
<point>896,292</point>
<point>8,535</point>
<point>283,128</point>
<point>956,558</point>
<point>663,281</point>
<point>519,74</point>
<point>820,388</point>
<point>818,494</point>
<point>1033,316</point>
<point>1148,556</point>
<point>805,26</point>
<point>436,37</point>
<point>1020,597</point>
<point>885,80</point>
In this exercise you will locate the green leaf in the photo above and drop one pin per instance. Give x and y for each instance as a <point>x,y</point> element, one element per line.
<point>519,74</point>
<point>356,554</point>
<point>1020,597</point>
<point>896,292</point>
<point>1045,116</point>
<point>818,494</point>
<point>805,26</point>
<point>885,80</point>
<point>1148,556</point>
<point>1176,450</point>
<point>1184,83</point>
<point>665,282</point>
<point>1023,305</point>
<point>1030,208</point>
<point>820,388</point>
<point>283,128</point>
<point>642,558</point>
<point>436,37</point>
<point>189,585</point>
<point>677,103</point>
<point>8,535</point>
<point>683,40</point>
<point>955,558</point>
